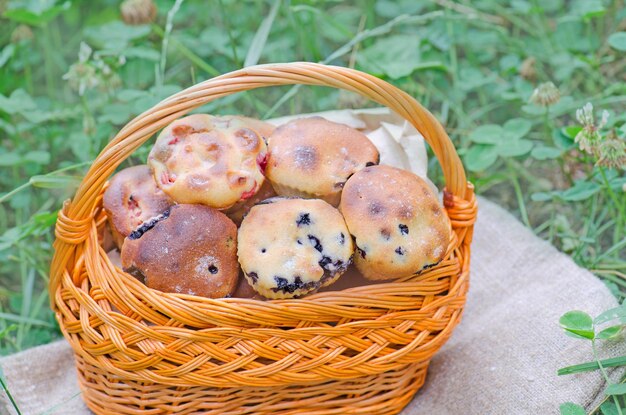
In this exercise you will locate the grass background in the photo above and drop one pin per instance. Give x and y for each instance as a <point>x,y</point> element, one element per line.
<point>72,74</point>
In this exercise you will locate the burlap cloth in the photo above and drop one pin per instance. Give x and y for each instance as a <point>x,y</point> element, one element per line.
<point>502,358</point>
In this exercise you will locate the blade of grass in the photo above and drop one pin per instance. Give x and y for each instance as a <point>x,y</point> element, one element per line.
<point>25,320</point>
<point>6,390</point>
<point>590,366</point>
<point>57,406</point>
<point>260,37</point>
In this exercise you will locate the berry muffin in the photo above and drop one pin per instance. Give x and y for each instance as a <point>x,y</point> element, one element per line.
<point>292,247</point>
<point>399,226</point>
<point>209,160</point>
<point>131,199</point>
<point>313,158</point>
<point>190,249</point>
<point>241,209</point>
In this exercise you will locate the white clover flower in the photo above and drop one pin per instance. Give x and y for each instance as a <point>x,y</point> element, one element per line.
<point>545,94</point>
<point>584,115</point>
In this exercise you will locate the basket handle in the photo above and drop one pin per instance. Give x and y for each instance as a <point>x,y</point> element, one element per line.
<point>76,215</point>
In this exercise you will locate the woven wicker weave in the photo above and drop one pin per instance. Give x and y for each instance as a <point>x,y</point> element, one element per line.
<point>364,350</point>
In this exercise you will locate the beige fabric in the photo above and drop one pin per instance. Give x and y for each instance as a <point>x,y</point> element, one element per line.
<point>502,358</point>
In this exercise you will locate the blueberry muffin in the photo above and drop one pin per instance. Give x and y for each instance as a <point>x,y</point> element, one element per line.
<point>399,226</point>
<point>131,199</point>
<point>210,160</point>
<point>313,158</point>
<point>190,249</point>
<point>291,247</point>
<point>241,209</point>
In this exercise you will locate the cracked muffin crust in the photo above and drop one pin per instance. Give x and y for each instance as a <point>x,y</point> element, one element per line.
<point>313,158</point>
<point>190,249</point>
<point>132,198</point>
<point>398,224</point>
<point>291,247</point>
<point>216,161</point>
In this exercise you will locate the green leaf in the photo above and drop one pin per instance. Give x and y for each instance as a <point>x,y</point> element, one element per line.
<point>115,36</point>
<point>612,314</point>
<point>260,37</point>
<point>10,159</point>
<point>55,182</point>
<point>609,408</point>
<point>589,366</point>
<point>588,9</point>
<point>616,389</point>
<point>6,54</point>
<point>570,408</point>
<point>34,12</point>
<point>541,196</point>
<point>545,153</point>
<point>618,41</point>
<point>514,148</point>
<point>142,52</point>
<point>480,157</point>
<point>37,156</point>
<point>609,332</point>
<point>577,322</point>
<point>571,131</point>
<point>580,191</point>
<point>517,127</point>
<point>487,134</point>
<point>19,101</point>
<point>396,57</point>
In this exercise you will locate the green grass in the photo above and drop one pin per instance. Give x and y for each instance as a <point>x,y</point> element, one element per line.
<point>473,64</point>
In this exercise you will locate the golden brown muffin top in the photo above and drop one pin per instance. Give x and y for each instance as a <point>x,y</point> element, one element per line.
<point>211,160</point>
<point>192,249</point>
<point>316,155</point>
<point>399,225</point>
<point>132,198</point>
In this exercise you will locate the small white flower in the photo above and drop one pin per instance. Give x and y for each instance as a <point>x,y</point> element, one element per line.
<point>584,115</point>
<point>84,52</point>
<point>604,119</point>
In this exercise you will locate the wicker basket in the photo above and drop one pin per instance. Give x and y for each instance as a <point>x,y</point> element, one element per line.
<point>364,350</point>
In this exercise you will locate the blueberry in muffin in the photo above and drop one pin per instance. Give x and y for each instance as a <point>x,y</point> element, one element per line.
<point>291,247</point>
<point>131,199</point>
<point>398,224</point>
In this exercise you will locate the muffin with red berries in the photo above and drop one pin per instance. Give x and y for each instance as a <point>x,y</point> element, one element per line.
<point>210,160</point>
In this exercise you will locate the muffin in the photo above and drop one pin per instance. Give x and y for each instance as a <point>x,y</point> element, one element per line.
<point>190,249</point>
<point>291,247</point>
<point>209,160</point>
<point>399,226</point>
<point>131,199</point>
<point>237,212</point>
<point>313,158</point>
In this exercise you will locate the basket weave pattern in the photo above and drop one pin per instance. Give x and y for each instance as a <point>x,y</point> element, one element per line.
<point>362,350</point>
